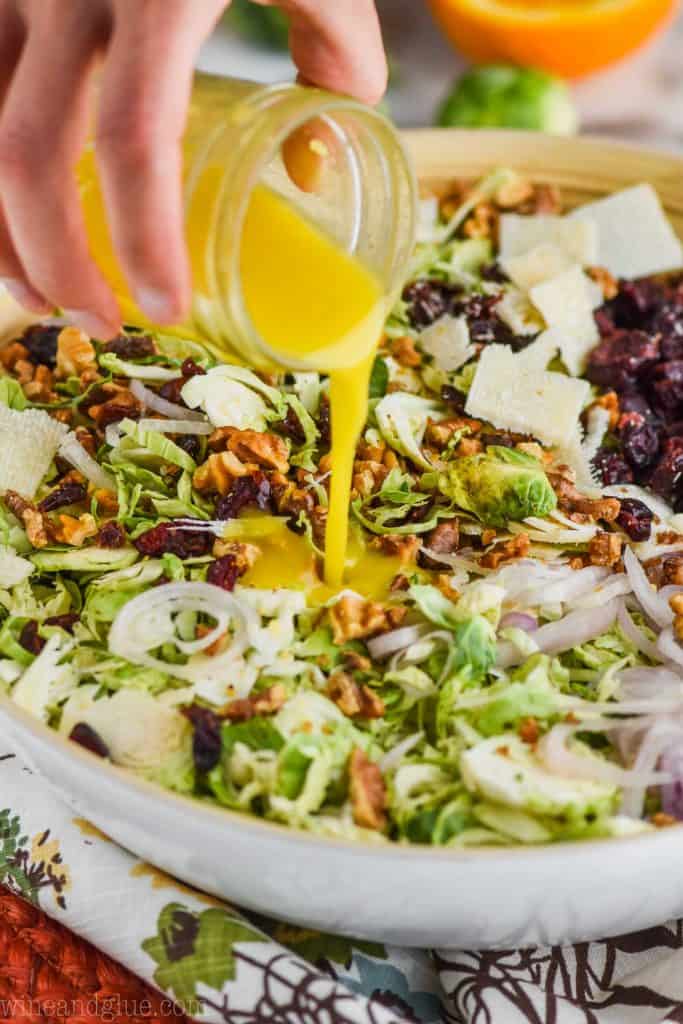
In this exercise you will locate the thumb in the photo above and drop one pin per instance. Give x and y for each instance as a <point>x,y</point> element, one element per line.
<point>337,46</point>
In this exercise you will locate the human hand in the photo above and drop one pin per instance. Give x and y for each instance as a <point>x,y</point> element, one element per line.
<point>49,51</point>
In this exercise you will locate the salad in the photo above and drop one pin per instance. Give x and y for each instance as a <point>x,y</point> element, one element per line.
<point>505,664</point>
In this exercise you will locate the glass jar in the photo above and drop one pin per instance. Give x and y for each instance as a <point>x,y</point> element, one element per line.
<point>364,200</point>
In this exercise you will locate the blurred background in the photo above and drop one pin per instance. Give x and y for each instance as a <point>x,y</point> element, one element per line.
<point>639,96</point>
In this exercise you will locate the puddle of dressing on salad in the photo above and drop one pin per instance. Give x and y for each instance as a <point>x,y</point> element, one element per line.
<point>313,302</point>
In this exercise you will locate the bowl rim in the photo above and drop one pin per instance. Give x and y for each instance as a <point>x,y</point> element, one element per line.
<point>207,814</point>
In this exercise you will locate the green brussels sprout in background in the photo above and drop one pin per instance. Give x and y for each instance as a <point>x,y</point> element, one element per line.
<point>266,26</point>
<point>504,96</point>
<point>498,486</point>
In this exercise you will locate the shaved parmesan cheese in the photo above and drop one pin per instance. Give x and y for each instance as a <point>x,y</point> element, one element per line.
<point>565,303</point>
<point>578,454</point>
<point>538,354</point>
<point>512,396</point>
<point>537,265</point>
<point>635,237</point>
<point>28,441</point>
<point>577,238</point>
<point>447,340</point>
<point>516,310</point>
<point>13,568</point>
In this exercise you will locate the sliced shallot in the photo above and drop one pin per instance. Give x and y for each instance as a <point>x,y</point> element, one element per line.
<point>150,400</point>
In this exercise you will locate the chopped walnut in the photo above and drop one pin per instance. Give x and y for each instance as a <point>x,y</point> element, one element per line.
<point>11,354</point>
<point>609,401</point>
<point>488,535</point>
<point>603,278</point>
<point>265,449</point>
<point>218,473</point>
<point>73,530</point>
<point>663,820</point>
<point>571,500</point>
<point>356,662</point>
<point>514,192</point>
<point>676,605</point>
<point>528,730</point>
<point>352,699</point>
<point>36,524</point>
<point>404,352</point>
<point>87,439</point>
<point>438,433</point>
<point>318,517</point>
<point>368,477</point>
<point>506,551</point>
<point>442,540</point>
<point>400,582</point>
<point>444,584</point>
<point>290,499</point>
<point>354,618</point>
<point>545,199</point>
<point>665,569</point>
<point>117,403</point>
<point>23,371</point>
<point>468,446</point>
<point>107,503</point>
<point>605,548</point>
<point>397,545</point>
<point>367,791</point>
<point>265,703</point>
<point>482,222</point>
<point>75,353</point>
<point>245,555</point>
<point>453,198</point>
<point>40,387</point>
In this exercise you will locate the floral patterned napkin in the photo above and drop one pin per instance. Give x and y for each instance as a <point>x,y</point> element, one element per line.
<point>224,966</point>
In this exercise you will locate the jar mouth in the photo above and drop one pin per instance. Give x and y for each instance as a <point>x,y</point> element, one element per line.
<point>366,202</point>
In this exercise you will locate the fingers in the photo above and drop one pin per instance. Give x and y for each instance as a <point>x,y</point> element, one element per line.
<point>338,46</point>
<point>143,107</point>
<point>42,131</point>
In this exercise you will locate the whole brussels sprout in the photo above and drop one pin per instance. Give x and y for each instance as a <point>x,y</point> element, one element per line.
<point>504,96</point>
<point>498,486</point>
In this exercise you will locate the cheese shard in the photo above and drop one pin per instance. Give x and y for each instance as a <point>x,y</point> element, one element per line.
<point>28,442</point>
<point>537,265</point>
<point>576,237</point>
<point>447,340</point>
<point>516,310</point>
<point>513,396</point>
<point>635,236</point>
<point>538,354</point>
<point>566,304</point>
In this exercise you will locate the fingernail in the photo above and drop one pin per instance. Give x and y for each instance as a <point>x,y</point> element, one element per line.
<point>156,305</point>
<point>25,296</point>
<point>91,323</point>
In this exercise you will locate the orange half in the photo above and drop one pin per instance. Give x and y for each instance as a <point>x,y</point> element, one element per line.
<point>568,37</point>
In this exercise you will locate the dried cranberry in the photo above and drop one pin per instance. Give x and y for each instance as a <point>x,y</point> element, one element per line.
<point>111,535</point>
<point>41,342</point>
<point>494,272</point>
<point>66,494</point>
<point>666,387</point>
<point>169,539</point>
<point>85,736</point>
<point>131,346</point>
<point>323,422</point>
<point>635,518</point>
<point>634,402</point>
<point>246,490</point>
<point>189,443</point>
<point>604,321</point>
<point>668,322</point>
<point>640,444</point>
<point>635,301</point>
<point>65,622</point>
<point>612,467</point>
<point>453,398</point>
<point>427,301</point>
<point>291,427</point>
<point>667,475</point>
<point>30,639</point>
<point>505,440</point>
<point>295,524</point>
<point>206,741</point>
<point>618,360</point>
<point>172,388</point>
<point>224,572</point>
<point>114,412</point>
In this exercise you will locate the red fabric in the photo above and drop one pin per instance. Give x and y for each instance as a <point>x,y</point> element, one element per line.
<point>50,976</point>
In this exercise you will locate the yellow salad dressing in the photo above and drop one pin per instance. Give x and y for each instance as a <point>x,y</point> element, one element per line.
<point>311,302</point>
